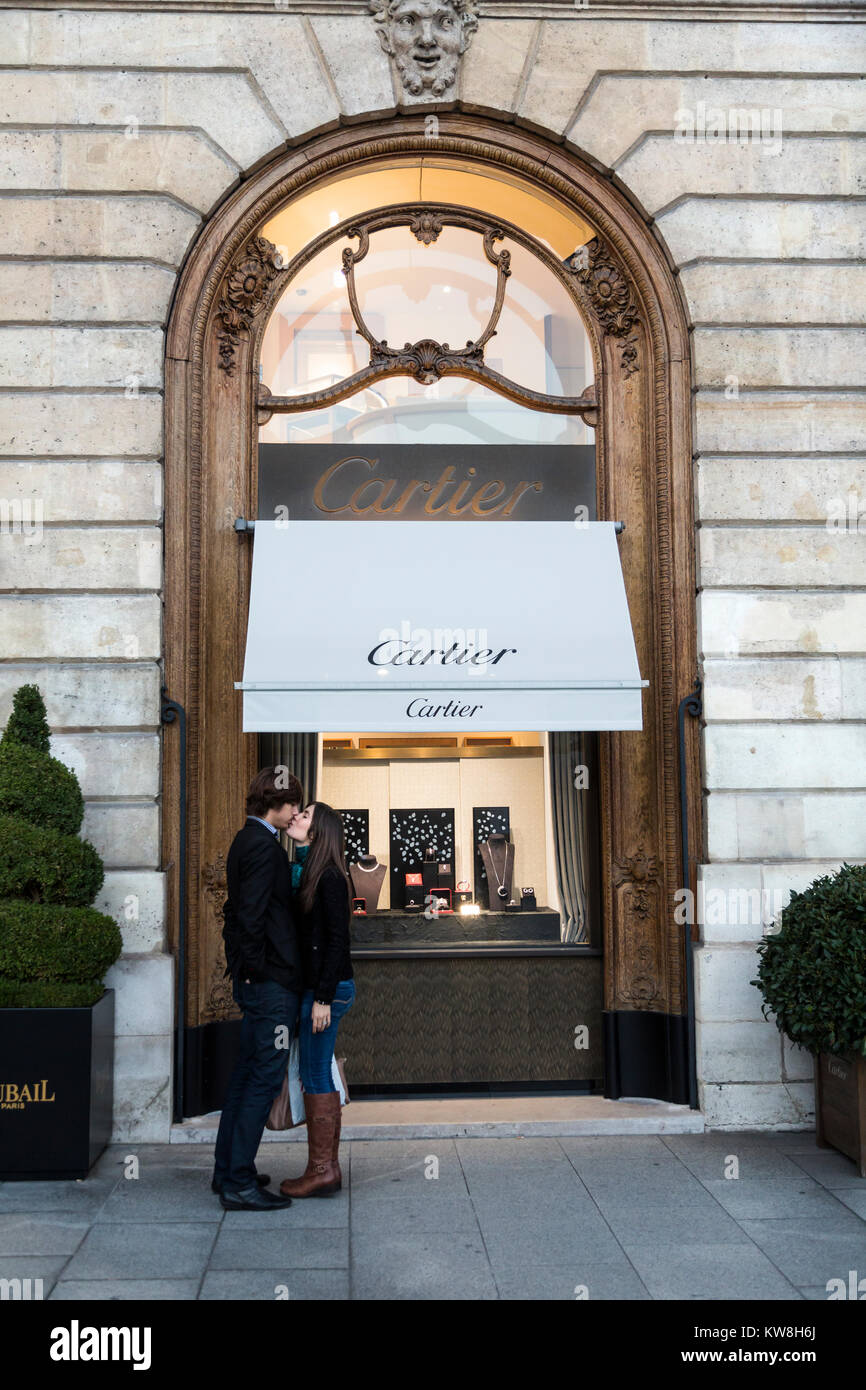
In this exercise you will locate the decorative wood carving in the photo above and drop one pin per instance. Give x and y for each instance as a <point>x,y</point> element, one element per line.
<point>644,478</point>
<point>610,295</point>
<point>220,1001</point>
<point>425,45</point>
<point>641,869</point>
<point>425,227</point>
<point>246,286</point>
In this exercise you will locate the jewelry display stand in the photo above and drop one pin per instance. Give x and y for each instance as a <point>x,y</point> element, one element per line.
<point>367,877</point>
<point>497,852</point>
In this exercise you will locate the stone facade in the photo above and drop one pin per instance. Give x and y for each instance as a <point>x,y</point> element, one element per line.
<point>123,129</point>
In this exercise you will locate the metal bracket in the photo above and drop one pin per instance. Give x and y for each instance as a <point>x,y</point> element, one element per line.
<point>243,526</point>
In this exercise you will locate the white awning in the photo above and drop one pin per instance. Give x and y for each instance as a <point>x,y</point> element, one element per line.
<point>435,627</point>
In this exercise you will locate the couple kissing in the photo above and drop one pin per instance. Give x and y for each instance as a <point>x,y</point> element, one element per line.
<point>287,950</point>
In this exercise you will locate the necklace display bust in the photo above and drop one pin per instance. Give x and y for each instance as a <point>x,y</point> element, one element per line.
<point>497,854</point>
<point>367,877</point>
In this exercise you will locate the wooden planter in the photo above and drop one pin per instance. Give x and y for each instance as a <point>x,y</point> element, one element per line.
<point>56,1089</point>
<point>840,1105</point>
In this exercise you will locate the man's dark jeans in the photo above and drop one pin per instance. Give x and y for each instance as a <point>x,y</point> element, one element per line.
<point>270,1013</point>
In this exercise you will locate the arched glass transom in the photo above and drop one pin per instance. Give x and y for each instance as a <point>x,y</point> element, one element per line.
<point>426,324</point>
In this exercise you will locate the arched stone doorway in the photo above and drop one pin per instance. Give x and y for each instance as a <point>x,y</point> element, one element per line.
<point>630,301</point>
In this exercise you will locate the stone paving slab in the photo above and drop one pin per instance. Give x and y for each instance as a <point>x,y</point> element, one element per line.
<point>510,1247</point>
<point>808,1250</point>
<point>321,1213</point>
<point>419,1211</point>
<point>299,1248</point>
<point>454,1218</point>
<point>151,1290</point>
<point>609,1279</point>
<point>853,1198</point>
<point>23,1267</point>
<point>708,1271</point>
<point>753,1161</point>
<point>448,1266</point>
<point>144,1250</point>
<point>38,1233</point>
<point>86,1196</point>
<point>644,1225</point>
<point>163,1194</point>
<point>754,1198</point>
<point>296,1285</point>
<point>833,1170</point>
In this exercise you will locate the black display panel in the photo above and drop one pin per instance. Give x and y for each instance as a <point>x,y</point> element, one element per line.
<point>357,827</point>
<point>486,820</point>
<point>411,833</point>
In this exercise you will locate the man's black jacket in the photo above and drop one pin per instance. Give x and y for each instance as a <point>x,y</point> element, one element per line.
<point>259,932</point>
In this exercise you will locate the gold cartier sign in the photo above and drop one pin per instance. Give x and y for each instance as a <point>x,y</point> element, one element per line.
<point>348,487</point>
<point>426,482</point>
<point>13,1097</point>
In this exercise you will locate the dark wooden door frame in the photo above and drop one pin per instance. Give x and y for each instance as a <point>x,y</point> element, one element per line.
<point>634,312</point>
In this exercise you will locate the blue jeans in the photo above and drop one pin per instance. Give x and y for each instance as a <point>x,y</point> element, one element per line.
<point>317,1049</point>
<point>256,1079</point>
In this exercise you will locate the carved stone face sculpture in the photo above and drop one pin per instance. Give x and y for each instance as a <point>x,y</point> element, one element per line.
<point>426,39</point>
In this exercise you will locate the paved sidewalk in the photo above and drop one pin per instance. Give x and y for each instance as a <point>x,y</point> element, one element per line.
<point>643,1217</point>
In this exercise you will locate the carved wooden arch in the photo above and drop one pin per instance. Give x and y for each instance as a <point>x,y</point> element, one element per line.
<point>637,320</point>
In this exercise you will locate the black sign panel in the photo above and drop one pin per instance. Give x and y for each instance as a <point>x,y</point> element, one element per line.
<point>426,482</point>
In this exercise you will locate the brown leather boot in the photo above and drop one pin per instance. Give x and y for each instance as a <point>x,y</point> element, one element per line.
<point>322,1176</point>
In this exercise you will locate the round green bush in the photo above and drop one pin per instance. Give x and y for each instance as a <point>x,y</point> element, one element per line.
<point>812,971</point>
<point>40,789</point>
<point>27,723</point>
<point>45,866</point>
<point>43,942</point>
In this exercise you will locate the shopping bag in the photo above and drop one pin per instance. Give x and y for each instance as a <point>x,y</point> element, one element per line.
<point>287,1110</point>
<point>338,1078</point>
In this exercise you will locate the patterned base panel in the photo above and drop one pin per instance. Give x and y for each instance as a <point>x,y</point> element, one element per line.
<point>503,1019</point>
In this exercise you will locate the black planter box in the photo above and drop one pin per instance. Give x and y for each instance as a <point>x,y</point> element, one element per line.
<point>56,1089</point>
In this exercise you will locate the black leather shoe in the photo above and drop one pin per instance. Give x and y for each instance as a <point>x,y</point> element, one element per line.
<point>261,1178</point>
<point>253,1199</point>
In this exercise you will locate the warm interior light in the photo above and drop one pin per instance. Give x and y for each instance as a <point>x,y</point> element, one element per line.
<point>470,910</point>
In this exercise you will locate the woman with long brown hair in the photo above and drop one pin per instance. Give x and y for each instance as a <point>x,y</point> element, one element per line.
<point>324,900</point>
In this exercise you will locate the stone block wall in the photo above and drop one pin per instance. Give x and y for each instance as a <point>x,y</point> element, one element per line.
<point>121,130</point>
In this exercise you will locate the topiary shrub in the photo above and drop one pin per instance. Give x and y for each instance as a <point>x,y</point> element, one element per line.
<point>49,996</point>
<point>39,789</point>
<point>69,945</point>
<point>46,866</point>
<point>812,971</point>
<point>54,947</point>
<point>27,724</point>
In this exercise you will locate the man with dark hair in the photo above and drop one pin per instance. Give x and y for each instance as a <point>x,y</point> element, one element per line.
<point>263,961</point>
